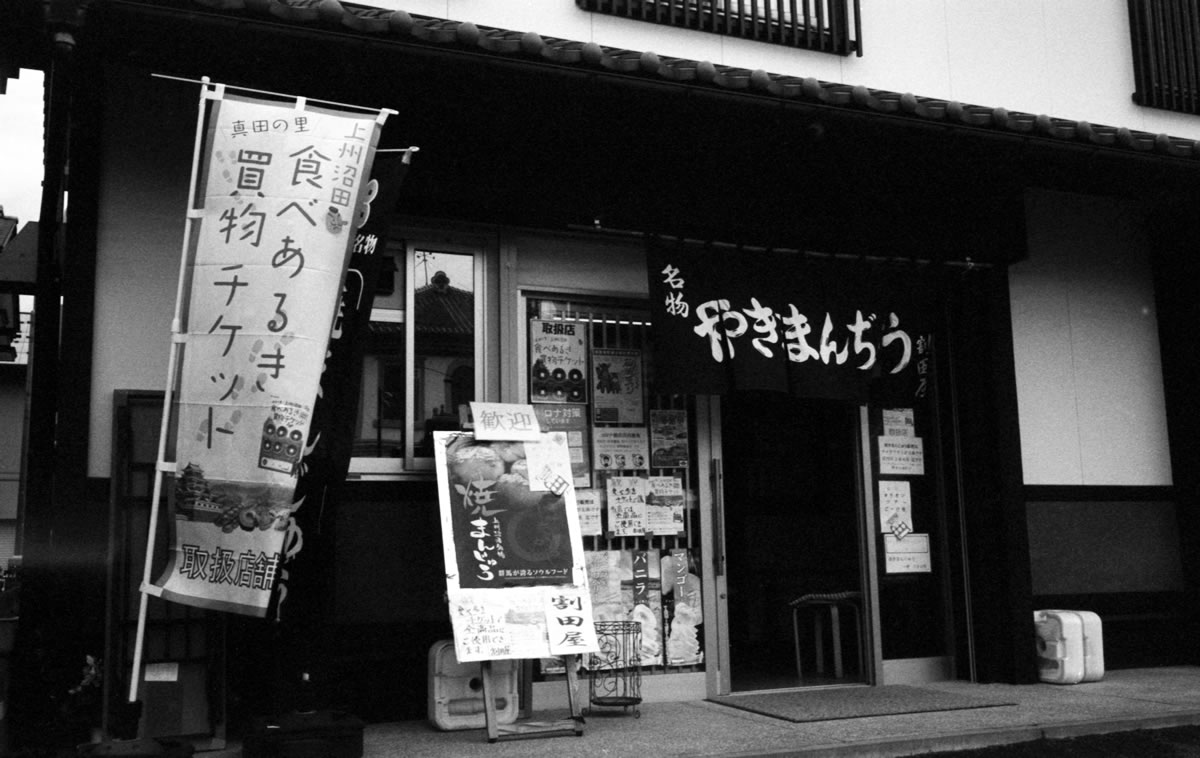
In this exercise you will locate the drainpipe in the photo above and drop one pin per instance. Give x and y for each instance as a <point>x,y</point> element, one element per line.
<point>44,350</point>
<point>29,698</point>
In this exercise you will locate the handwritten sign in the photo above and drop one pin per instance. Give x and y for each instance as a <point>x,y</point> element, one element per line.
<point>505,421</point>
<point>895,506</point>
<point>627,506</point>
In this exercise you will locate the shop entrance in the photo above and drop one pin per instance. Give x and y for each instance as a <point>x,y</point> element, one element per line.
<point>834,565</point>
<point>793,538</point>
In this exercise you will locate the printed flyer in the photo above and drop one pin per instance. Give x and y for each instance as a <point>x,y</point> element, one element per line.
<point>665,505</point>
<point>571,418</point>
<point>558,362</point>
<point>617,379</point>
<point>668,439</point>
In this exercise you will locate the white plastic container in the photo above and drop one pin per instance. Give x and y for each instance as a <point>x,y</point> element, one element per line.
<point>1070,646</point>
<point>456,690</point>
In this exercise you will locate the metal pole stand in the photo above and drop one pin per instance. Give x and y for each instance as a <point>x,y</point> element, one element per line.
<point>615,673</point>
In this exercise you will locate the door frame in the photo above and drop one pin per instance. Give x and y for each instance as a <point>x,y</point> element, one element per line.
<point>718,675</point>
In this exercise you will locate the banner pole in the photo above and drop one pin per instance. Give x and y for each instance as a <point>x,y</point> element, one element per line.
<point>177,338</point>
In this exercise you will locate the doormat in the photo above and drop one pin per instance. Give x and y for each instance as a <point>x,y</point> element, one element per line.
<point>800,706</point>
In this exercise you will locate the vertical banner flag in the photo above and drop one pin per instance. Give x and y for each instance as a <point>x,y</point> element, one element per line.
<point>281,192</point>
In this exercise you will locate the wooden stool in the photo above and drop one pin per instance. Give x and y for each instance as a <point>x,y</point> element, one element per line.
<point>833,602</point>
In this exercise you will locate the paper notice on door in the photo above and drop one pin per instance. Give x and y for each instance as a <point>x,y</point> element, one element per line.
<point>909,555</point>
<point>895,507</point>
<point>898,422</point>
<point>902,456</point>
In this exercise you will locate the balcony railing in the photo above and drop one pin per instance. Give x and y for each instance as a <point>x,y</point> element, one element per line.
<point>1166,47</point>
<point>829,26</point>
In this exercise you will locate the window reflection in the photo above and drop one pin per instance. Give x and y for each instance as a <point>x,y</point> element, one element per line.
<point>443,343</point>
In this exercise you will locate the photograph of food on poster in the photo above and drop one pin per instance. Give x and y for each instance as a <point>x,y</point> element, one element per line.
<point>571,418</point>
<point>668,439</point>
<point>641,591</point>
<point>558,362</point>
<point>617,385</point>
<point>504,523</point>
<point>664,505</point>
<point>619,448</point>
<point>588,504</point>
<point>626,496</point>
<point>626,585</point>
<point>682,608</point>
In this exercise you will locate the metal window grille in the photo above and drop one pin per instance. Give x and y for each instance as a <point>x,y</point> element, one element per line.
<point>613,325</point>
<point>1165,36</point>
<point>829,26</point>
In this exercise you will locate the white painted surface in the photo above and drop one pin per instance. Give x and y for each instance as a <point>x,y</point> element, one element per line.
<point>1065,58</point>
<point>1085,342</point>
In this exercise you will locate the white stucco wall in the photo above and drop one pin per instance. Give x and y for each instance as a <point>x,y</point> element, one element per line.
<point>1065,58</point>
<point>143,201</point>
<point>1085,342</point>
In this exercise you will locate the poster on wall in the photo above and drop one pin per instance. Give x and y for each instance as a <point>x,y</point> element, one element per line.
<point>620,448</point>
<point>682,608</point>
<point>617,380</point>
<point>571,418</point>
<point>908,554</point>
<point>558,362</point>
<point>626,496</point>
<point>267,254</point>
<point>641,590</point>
<point>589,503</point>
<point>512,548</point>
<point>665,505</point>
<point>895,507</point>
<point>668,439</point>
<point>901,455</point>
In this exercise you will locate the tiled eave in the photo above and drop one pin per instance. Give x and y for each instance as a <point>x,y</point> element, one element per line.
<point>406,27</point>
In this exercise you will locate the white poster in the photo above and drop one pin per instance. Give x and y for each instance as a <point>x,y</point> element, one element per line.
<point>626,496</point>
<point>895,507</point>
<point>620,448</point>
<point>901,456</point>
<point>907,555</point>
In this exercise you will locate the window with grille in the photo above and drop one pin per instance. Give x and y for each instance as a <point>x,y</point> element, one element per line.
<point>1165,36</point>
<point>829,26</point>
<point>666,600</point>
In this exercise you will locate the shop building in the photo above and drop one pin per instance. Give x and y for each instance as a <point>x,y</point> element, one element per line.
<point>1037,266</point>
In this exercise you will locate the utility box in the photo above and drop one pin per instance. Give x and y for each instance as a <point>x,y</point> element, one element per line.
<point>1070,646</point>
<point>456,690</point>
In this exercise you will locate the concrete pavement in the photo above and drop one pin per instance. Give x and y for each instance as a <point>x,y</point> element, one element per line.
<point>1124,700</point>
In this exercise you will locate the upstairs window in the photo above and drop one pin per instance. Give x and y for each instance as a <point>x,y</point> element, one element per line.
<point>1165,35</point>
<point>828,26</point>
